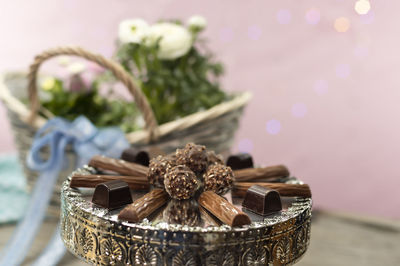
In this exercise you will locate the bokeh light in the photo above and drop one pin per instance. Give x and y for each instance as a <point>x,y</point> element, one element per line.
<point>342,70</point>
<point>254,32</point>
<point>321,86</point>
<point>245,145</point>
<point>362,7</point>
<point>273,127</point>
<point>299,110</point>
<point>342,24</point>
<point>368,18</point>
<point>313,16</point>
<point>284,16</point>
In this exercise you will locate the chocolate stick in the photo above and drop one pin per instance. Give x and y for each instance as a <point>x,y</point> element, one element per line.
<point>136,183</point>
<point>292,190</point>
<point>120,166</point>
<point>258,174</point>
<point>144,206</point>
<point>223,209</point>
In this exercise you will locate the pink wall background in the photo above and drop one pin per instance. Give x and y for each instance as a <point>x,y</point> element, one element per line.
<point>326,103</point>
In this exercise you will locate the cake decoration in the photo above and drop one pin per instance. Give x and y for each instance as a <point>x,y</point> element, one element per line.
<point>262,200</point>
<point>214,158</point>
<point>218,178</point>
<point>223,209</point>
<point>88,181</point>
<point>180,182</point>
<point>112,194</point>
<point>193,174</point>
<point>158,167</point>
<point>134,156</point>
<point>144,206</point>
<point>193,156</point>
<point>240,161</point>
<point>261,174</point>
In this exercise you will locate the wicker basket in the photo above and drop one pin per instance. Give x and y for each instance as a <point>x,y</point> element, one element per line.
<point>214,127</point>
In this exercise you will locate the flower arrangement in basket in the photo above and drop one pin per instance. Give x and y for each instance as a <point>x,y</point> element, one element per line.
<point>173,79</point>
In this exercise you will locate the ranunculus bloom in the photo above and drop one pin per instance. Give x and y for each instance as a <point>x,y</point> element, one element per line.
<point>197,22</point>
<point>175,40</point>
<point>133,30</point>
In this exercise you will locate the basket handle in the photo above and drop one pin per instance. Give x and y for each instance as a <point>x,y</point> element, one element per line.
<point>115,68</point>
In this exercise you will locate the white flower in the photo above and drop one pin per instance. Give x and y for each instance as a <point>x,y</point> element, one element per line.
<point>175,40</point>
<point>64,60</point>
<point>76,68</point>
<point>197,22</point>
<point>133,30</point>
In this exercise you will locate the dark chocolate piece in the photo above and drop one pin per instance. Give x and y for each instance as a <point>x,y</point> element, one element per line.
<point>144,206</point>
<point>112,194</point>
<point>218,178</point>
<point>193,156</point>
<point>240,161</point>
<point>136,183</point>
<point>225,211</point>
<point>136,156</point>
<point>180,182</point>
<point>262,200</point>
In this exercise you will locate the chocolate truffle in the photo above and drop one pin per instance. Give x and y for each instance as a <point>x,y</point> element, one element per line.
<point>158,167</point>
<point>193,156</point>
<point>218,178</point>
<point>180,182</point>
<point>214,158</point>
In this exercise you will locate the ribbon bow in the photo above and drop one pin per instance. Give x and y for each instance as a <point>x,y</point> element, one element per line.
<point>56,134</point>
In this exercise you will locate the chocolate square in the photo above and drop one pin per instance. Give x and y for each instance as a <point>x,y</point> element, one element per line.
<point>136,156</point>
<point>112,194</point>
<point>262,200</point>
<point>240,161</point>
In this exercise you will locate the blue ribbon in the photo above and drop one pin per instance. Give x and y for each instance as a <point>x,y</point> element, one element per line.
<point>56,134</point>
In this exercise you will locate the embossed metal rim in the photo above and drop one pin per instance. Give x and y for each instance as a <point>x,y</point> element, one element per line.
<point>99,238</point>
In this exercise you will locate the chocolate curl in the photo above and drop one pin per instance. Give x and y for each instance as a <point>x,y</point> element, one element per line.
<point>144,206</point>
<point>223,209</point>
<point>259,174</point>
<point>290,190</point>
<point>120,166</point>
<point>135,183</point>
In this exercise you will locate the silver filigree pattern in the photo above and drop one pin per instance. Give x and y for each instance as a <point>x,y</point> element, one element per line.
<point>145,255</point>
<point>85,240</point>
<point>111,252</point>
<point>256,256</point>
<point>220,258</point>
<point>301,241</point>
<point>282,250</point>
<point>184,258</point>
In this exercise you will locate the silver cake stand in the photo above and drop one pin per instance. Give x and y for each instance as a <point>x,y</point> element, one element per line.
<point>96,236</point>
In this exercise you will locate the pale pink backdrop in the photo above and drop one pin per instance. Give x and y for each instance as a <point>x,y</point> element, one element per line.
<point>325,103</point>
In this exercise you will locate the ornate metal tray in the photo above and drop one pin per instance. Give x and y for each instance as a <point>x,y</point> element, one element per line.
<point>96,235</point>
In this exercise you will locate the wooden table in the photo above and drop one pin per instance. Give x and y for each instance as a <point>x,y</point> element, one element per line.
<point>336,239</point>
